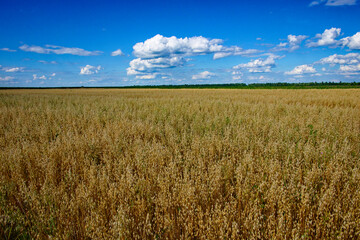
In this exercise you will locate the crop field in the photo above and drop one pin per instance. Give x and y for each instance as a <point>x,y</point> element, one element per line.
<point>180,164</point>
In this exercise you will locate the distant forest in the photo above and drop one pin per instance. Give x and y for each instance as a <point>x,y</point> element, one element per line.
<point>279,85</point>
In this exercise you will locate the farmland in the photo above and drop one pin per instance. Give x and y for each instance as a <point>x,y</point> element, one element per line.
<point>180,163</point>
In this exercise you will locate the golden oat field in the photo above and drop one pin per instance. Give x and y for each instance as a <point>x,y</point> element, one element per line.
<point>179,164</point>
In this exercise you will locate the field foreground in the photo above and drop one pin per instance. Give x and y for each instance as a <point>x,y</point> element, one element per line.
<point>180,164</point>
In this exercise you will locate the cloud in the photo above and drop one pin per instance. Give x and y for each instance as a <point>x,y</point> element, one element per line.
<point>46,62</point>
<point>350,58</point>
<point>352,42</point>
<point>301,70</point>
<point>6,78</point>
<point>143,66</point>
<point>327,38</point>
<point>35,77</point>
<point>259,65</point>
<point>237,75</point>
<point>88,81</point>
<point>43,77</point>
<point>340,2</point>
<point>235,51</point>
<point>203,75</point>
<point>14,69</point>
<point>7,50</point>
<point>88,70</point>
<point>333,3</point>
<point>314,3</point>
<point>349,63</point>
<point>147,76</point>
<point>161,52</point>
<point>58,50</point>
<point>316,75</point>
<point>350,68</point>
<point>260,78</point>
<point>117,53</point>
<point>160,46</point>
<point>293,43</point>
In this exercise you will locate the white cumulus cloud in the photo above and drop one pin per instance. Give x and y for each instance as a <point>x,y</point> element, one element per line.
<point>352,42</point>
<point>350,58</point>
<point>349,63</point>
<point>35,77</point>
<point>138,65</point>
<point>301,70</point>
<point>161,52</point>
<point>160,46</point>
<point>58,50</point>
<point>117,53</point>
<point>327,38</point>
<point>350,68</point>
<point>259,65</point>
<point>293,43</point>
<point>203,75</point>
<point>88,70</point>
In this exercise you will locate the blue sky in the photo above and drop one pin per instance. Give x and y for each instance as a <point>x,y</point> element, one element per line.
<point>118,43</point>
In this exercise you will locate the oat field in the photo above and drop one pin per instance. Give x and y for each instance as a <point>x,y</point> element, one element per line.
<point>179,164</point>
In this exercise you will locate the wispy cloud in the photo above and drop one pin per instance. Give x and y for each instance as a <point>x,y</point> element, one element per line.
<point>235,51</point>
<point>6,78</point>
<point>58,50</point>
<point>7,50</point>
<point>333,3</point>
<point>46,62</point>
<point>147,76</point>
<point>13,69</point>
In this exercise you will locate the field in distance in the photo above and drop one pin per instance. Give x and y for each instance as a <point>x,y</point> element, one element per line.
<point>180,164</point>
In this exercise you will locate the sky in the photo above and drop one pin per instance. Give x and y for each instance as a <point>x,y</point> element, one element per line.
<point>58,43</point>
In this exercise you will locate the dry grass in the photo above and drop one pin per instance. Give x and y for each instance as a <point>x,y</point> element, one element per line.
<point>180,164</point>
